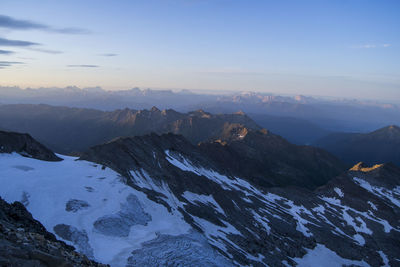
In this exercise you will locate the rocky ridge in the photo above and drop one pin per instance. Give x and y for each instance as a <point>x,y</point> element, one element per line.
<point>25,242</point>
<point>25,145</point>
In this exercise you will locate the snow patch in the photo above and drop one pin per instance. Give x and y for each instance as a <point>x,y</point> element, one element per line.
<point>51,185</point>
<point>207,200</point>
<point>339,192</point>
<point>322,256</point>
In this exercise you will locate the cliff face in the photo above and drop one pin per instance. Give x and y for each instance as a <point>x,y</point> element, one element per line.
<point>25,242</point>
<point>25,145</point>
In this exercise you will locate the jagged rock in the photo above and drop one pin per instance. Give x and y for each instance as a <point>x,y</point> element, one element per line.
<point>25,242</point>
<point>74,205</point>
<point>25,145</point>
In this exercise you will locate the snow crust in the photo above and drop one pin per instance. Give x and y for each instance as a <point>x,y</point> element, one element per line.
<point>391,195</point>
<point>47,188</point>
<point>322,256</point>
<point>339,192</point>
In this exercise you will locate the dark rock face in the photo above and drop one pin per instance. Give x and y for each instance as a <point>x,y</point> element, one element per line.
<point>355,215</point>
<point>74,205</point>
<point>268,160</point>
<point>25,242</point>
<point>79,238</point>
<point>119,224</point>
<point>25,145</point>
<point>382,145</point>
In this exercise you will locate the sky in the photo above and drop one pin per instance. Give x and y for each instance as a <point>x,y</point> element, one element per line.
<point>341,48</point>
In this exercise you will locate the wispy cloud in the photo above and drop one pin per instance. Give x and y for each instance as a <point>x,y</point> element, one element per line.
<point>19,43</point>
<point>108,55</point>
<point>25,44</point>
<point>229,71</point>
<point>5,64</point>
<point>371,46</point>
<point>6,52</point>
<point>83,66</point>
<point>18,24</point>
<point>47,51</point>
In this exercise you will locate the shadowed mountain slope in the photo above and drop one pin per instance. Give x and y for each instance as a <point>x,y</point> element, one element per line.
<point>67,130</point>
<point>382,145</point>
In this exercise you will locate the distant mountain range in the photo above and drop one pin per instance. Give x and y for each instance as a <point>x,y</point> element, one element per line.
<point>71,130</point>
<point>382,145</point>
<point>335,115</point>
<point>68,130</point>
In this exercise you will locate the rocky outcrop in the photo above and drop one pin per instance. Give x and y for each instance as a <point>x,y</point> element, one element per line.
<point>25,242</point>
<point>25,145</point>
<point>269,160</point>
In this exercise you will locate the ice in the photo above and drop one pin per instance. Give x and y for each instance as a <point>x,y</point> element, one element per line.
<point>392,195</point>
<point>339,192</point>
<point>372,205</point>
<point>183,250</point>
<point>49,186</point>
<point>384,258</point>
<point>359,239</point>
<point>205,199</point>
<point>322,256</point>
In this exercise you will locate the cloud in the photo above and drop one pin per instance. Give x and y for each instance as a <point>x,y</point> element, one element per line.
<point>47,51</point>
<point>108,55</point>
<point>229,72</point>
<point>10,23</point>
<point>71,31</point>
<point>5,64</point>
<point>19,43</point>
<point>83,66</point>
<point>18,24</point>
<point>25,44</point>
<point>370,46</point>
<point>6,52</point>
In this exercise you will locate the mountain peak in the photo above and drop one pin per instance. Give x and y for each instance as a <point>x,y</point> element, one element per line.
<point>362,167</point>
<point>154,109</point>
<point>240,112</point>
<point>391,129</point>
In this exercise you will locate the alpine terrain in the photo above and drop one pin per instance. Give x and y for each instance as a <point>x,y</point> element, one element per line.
<point>159,200</point>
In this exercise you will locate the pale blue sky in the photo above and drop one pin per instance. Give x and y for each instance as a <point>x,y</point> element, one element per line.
<point>343,48</point>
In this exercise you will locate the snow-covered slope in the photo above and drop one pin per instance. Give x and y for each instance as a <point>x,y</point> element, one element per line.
<point>165,203</point>
<point>93,209</point>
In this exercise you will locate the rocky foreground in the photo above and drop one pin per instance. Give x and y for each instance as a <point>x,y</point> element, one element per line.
<point>25,242</point>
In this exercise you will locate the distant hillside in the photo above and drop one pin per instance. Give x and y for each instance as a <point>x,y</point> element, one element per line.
<point>67,130</point>
<point>295,130</point>
<point>382,145</point>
